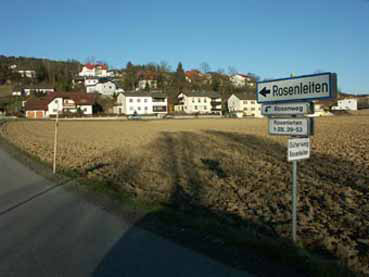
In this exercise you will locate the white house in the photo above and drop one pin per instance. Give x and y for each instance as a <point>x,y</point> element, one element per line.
<point>245,103</point>
<point>104,87</point>
<point>141,103</point>
<point>27,73</point>
<point>41,88</point>
<point>95,70</point>
<point>199,102</point>
<point>241,80</point>
<point>67,102</point>
<point>350,104</point>
<point>32,89</point>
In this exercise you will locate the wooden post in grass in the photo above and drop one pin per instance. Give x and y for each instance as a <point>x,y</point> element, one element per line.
<point>55,140</point>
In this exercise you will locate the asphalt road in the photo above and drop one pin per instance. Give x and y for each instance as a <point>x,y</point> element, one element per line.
<point>46,230</point>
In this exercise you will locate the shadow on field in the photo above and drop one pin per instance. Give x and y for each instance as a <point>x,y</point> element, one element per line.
<point>219,195</point>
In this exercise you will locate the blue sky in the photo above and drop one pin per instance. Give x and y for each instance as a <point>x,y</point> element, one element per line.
<point>269,38</point>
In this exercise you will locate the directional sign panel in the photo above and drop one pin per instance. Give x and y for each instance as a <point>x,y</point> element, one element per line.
<point>291,126</point>
<point>298,149</point>
<point>308,87</point>
<point>287,109</point>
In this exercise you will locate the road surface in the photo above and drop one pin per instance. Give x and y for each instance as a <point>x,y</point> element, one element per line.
<point>46,230</point>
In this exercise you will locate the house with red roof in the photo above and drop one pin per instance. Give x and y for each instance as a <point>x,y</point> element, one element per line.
<point>59,102</point>
<point>95,70</point>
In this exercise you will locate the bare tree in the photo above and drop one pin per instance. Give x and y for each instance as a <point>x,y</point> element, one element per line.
<point>205,67</point>
<point>220,70</point>
<point>164,66</point>
<point>232,70</point>
<point>90,59</point>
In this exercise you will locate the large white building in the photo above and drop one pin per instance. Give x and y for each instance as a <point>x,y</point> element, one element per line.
<point>141,103</point>
<point>352,104</point>
<point>244,103</point>
<point>202,102</point>
<point>241,80</point>
<point>103,86</point>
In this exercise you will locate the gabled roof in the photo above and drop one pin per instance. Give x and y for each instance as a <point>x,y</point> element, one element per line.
<point>141,93</point>
<point>137,94</point>
<point>89,66</point>
<point>211,94</point>
<point>37,104</point>
<point>245,96</point>
<point>158,95</point>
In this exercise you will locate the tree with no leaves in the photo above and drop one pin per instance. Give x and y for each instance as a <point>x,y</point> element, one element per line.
<point>205,67</point>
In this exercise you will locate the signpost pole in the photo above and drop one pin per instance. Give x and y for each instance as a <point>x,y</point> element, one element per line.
<point>294,199</point>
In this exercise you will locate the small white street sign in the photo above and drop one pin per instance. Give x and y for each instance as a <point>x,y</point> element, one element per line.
<point>287,109</point>
<point>290,126</point>
<point>301,88</point>
<point>298,149</point>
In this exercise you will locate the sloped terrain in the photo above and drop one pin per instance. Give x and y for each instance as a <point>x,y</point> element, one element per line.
<point>228,167</point>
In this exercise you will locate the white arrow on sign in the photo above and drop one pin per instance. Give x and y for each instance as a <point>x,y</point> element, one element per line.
<point>287,108</point>
<point>291,126</point>
<point>308,87</point>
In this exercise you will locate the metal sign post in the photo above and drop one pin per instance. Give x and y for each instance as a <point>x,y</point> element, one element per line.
<point>294,200</point>
<point>298,149</point>
<point>285,102</point>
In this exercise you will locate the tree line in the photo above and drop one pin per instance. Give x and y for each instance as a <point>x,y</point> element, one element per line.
<point>60,75</point>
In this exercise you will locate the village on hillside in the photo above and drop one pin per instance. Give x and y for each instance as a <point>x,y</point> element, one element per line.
<point>92,89</point>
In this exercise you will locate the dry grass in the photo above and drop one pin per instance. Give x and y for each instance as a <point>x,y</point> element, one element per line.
<point>229,167</point>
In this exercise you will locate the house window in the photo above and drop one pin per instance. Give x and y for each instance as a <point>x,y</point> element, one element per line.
<point>245,109</point>
<point>205,100</point>
<point>199,100</point>
<point>55,110</point>
<point>253,109</point>
<point>131,108</point>
<point>56,101</point>
<point>252,102</point>
<point>196,108</point>
<point>139,108</point>
<point>138,100</point>
<point>145,108</point>
<point>245,102</point>
<point>85,109</point>
<point>145,100</point>
<point>131,100</point>
<point>193,100</point>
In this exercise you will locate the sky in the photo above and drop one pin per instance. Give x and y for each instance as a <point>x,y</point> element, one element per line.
<point>269,38</point>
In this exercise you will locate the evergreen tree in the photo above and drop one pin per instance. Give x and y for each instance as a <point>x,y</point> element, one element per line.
<point>180,74</point>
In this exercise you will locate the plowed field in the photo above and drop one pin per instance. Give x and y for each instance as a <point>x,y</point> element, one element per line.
<point>228,166</point>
